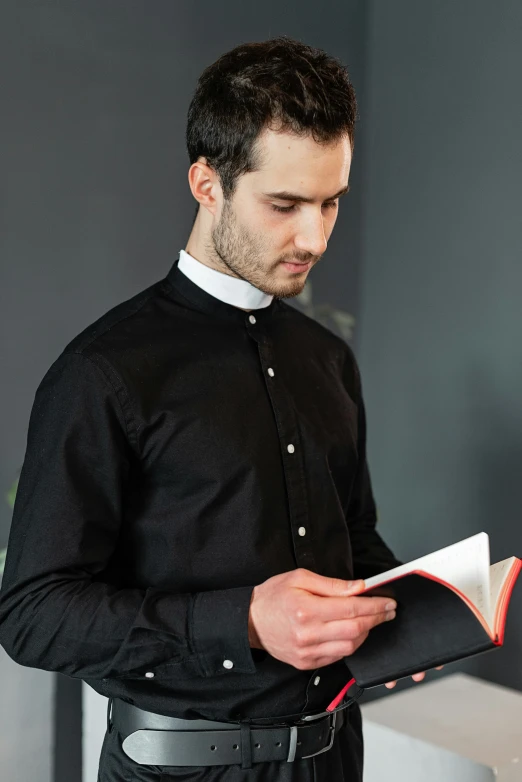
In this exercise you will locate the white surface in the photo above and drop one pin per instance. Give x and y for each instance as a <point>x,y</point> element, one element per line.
<point>391,756</point>
<point>459,715</point>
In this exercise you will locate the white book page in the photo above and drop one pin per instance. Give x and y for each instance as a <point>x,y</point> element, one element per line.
<point>498,575</point>
<point>465,565</point>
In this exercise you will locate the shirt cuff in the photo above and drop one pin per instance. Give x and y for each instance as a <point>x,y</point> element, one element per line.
<point>219,631</point>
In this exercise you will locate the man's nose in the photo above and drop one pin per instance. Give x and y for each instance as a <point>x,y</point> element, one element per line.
<point>311,237</point>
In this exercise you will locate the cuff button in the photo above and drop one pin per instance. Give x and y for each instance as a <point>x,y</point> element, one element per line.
<point>228,664</point>
<point>149,675</point>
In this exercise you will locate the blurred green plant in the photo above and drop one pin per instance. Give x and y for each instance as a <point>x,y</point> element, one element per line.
<point>336,320</point>
<point>10,497</point>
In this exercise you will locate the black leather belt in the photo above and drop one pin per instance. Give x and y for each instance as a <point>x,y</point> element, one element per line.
<point>169,741</point>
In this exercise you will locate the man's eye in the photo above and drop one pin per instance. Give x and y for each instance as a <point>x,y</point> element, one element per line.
<point>291,208</point>
<point>282,208</point>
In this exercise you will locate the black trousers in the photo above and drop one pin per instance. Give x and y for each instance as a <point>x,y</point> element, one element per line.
<point>342,763</point>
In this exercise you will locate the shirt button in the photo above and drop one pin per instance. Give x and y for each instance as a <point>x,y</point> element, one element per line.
<point>290,448</point>
<point>228,664</point>
<point>149,675</point>
<point>302,531</point>
<point>317,680</point>
<point>270,371</point>
<point>251,319</point>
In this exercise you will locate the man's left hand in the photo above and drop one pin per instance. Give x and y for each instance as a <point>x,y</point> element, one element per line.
<point>417,677</point>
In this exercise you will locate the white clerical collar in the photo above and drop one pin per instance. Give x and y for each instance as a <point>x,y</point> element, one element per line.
<point>229,289</point>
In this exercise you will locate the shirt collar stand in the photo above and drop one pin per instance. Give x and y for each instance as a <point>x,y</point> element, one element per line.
<point>231,290</point>
<point>207,297</point>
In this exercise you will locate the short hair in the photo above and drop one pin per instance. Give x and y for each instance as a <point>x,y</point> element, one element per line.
<point>281,84</point>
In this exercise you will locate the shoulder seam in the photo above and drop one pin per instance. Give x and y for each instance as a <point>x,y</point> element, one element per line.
<point>132,436</point>
<point>124,317</point>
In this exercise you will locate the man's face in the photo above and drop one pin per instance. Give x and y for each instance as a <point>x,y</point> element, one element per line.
<point>256,241</point>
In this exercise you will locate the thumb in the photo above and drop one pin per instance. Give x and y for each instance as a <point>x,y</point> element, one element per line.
<point>329,587</point>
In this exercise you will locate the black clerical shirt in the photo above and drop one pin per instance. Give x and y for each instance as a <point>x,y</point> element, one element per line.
<point>181,451</point>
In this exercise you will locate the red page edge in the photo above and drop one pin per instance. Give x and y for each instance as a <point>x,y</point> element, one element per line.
<point>501,624</point>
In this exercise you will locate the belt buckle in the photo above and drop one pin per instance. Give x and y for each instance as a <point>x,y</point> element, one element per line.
<point>332,737</point>
<point>293,739</point>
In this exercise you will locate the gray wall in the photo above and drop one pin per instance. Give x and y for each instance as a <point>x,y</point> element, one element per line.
<point>440,326</point>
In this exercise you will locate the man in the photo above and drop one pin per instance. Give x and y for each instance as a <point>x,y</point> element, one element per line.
<point>194,515</point>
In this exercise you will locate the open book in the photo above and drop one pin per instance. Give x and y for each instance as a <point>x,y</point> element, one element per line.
<point>451,604</point>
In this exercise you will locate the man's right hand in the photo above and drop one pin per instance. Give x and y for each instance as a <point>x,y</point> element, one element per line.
<point>309,621</point>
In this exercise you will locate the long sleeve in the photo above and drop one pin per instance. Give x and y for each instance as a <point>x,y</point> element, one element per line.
<point>56,611</point>
<point>371,555</point>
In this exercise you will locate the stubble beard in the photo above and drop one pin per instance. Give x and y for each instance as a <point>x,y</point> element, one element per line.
<point>241,253</point>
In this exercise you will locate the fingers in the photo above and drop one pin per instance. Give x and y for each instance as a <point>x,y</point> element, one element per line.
<point>417,677</point>
<point>324,585</point>
<point>344,630</point>
<point>335,608</point>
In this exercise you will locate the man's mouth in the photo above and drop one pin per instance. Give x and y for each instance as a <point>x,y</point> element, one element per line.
<point>297,266</point>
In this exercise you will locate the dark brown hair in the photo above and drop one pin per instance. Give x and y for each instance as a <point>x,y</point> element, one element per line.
<point>282,84</point>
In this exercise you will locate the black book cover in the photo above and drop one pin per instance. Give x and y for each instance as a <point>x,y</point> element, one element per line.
<point>433,626</point>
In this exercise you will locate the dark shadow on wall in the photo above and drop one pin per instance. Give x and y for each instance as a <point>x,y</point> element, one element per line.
<point>495,426</point>
<point>67,755</point>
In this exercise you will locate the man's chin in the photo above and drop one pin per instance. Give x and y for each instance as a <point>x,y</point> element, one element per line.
<point>279,284</point>
<point>285,289</point>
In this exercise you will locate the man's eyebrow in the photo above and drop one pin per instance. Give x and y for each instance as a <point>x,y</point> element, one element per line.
<point>284,195</point>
